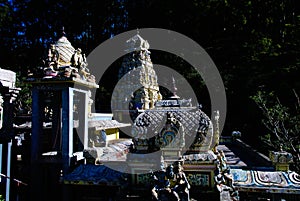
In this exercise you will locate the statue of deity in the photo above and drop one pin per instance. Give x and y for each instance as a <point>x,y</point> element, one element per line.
<point>182,186</point>
<point>53,57</point>
<point>162,182</point>
<point>223,177</point>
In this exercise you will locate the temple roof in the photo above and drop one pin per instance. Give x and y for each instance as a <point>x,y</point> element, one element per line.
<point>98,124</point>
<point>240,155</point>
<point>95,174</point>
<point>106,124</point>
<point>90,174</point>
<point>266,181</point>
<point>191,120</point>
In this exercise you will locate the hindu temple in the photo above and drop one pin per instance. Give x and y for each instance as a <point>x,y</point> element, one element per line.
<point>172,149</point>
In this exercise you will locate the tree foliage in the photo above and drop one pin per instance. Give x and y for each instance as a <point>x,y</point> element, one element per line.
<point>282,123</point>
<point>29,26</point>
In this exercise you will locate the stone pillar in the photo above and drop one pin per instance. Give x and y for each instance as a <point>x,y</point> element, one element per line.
<point>56,153</point>
<point>67,133</point>
<point>37,124</point>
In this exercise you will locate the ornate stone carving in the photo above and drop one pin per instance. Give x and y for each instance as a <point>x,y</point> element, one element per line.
<point>166,123</point>
<point>223,178</point>
<point>65,51</point>
<point>168,136</point>
<point>64,61</point>
<point>137,78</point>
<point>137,43</point>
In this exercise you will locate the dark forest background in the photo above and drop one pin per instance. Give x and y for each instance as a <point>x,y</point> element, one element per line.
<point>254,44</point>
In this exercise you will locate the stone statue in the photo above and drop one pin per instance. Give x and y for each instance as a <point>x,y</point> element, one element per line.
<point>83,68</point>
<point>64,61</point>
<point>223,178</point>
<point>182,186</point>
<point>77,59</point>
<point>53,57</point>
<point>224,171</point>
<point>161,189</point>
<point>79,64</point>
<point>51,63</point>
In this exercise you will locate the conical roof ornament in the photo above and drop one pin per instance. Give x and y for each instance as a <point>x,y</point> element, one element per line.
<point>65,49</point>
<point>63,61</point>
<point>174,96</point>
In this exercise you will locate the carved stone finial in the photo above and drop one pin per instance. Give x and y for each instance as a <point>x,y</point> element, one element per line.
<point>174,96</point>
<point>137,31</point>
<point>281,159</point>
<point>63,33</point>
<point>281,148</point>
<point>174,85</point>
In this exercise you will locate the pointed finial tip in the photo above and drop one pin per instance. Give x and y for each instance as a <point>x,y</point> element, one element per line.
<point>137,31</point>
<point>63,33</point>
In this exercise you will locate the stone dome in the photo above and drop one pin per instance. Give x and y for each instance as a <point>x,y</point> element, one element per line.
<point>65,50</point>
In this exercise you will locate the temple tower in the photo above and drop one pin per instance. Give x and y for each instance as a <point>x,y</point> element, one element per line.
<point>172,129</point>
<point>138,78</point>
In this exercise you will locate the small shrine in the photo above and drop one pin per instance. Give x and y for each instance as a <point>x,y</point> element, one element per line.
<point>64,61</point>
<point>66,133</point>
<point>281,159</point>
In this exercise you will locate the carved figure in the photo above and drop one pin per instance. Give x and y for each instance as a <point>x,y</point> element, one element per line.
<point>53,57</point>
<point>77,59</point>
<point>84,70</point>
<point>161,189</point>
<point>51,63</point>
<point>223,178</point>
<point>182,186</point>
<point>79,66</point>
